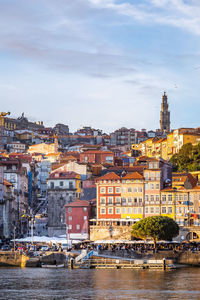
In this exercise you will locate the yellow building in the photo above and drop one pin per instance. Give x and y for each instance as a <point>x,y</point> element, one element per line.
<point>167,203</point>
<point>132,196</point>
<point>180,137</point>
<point>23,135</point>
<point>43,148</point>
<point>166,147</point>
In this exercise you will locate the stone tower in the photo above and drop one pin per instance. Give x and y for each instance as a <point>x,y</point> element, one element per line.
<point>164,115</point>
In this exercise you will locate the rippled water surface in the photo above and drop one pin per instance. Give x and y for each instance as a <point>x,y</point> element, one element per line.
<point>99,284</point>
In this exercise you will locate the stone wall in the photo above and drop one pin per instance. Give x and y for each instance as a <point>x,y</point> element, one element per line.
<point>57,199</point>
<point>110,233</point>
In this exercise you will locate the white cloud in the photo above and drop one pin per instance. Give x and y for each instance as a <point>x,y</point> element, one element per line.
<point>177,13</point>
<point>68,62</point>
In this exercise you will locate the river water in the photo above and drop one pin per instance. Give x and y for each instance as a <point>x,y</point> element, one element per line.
<point>37,283</point>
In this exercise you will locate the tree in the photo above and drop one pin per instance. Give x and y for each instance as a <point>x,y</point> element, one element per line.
<point>188,158</point>
<point>156,227</point>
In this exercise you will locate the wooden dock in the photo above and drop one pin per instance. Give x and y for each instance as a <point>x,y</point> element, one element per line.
<point>107,263</point>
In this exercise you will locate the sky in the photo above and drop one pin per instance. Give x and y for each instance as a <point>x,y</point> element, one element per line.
<point>100,63</point>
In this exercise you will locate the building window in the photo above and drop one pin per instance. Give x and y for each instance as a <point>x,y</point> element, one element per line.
<point>103,211</point>
<point>140,190</point>
<point>152,176</point>
<point>77,226</point>
<point>157,186</point>
<point>156,166</point>
<point>84,208</point>
<point>70,218</point>
<point>139,210</point>
<point>110,200</point>
<point>130,190</point>
<point>61,183</point>
<point>110,211</point>
<point>146,210</point>
<point>157,210</point>
<point>117,200</point>
<point>102,190</point>
<point>152,186</point>
<point>135,200</point>
<point>123,210</point>
<point>123,190</point>
<point>163,198</point>
<point>85,218</point>
<point>146,198</point>
<point>164,210</point>
<point>71,185</point>
<point>129,210</point>
<point>103,200</point>
<point>69,209</point>
<point>129,200</point>
<point>117,211</point>
<point>52,185</point>
<point>140,200</point>
<point>152,198</point>
<point>123,201</point>
<point>110,190</point>
<point>70,226</point>
<point>146,185</point>
<point>152,210</point>
<point>150,165</point>
<point>157,198</point>
<point>157,175</point>
<point>135,190</point>
<point>170,198</point>
<point>117,190</point>
<point>169,210</point>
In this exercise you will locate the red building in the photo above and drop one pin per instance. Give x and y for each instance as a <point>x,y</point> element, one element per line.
<point>97,157</point>
<point>78,214</point>
<point>109,197</point>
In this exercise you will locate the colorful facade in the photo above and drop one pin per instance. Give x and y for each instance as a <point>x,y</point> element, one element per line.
<point>166,147</point>
<point>125,199</point>
<point>133,196</point>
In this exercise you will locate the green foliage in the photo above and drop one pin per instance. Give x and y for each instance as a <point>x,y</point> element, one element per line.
<point>156,227</point>
<point>188,158</point>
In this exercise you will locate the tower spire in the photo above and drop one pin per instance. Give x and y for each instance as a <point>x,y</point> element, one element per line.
<point>164,115</point>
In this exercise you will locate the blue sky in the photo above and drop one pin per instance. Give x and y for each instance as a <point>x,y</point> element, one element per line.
<point>102,63</point>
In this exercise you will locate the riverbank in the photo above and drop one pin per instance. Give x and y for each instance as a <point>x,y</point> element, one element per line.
<point>15,259</point>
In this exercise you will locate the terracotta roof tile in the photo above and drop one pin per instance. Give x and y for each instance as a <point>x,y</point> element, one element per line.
<point>63,175</point>
<point>134,175</point>
<point>109,176</point>
<point>6,182</point>
<point>97,152</point>
<point>78,203</point>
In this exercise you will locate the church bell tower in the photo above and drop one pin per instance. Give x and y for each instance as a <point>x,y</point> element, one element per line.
<point>164,115</point>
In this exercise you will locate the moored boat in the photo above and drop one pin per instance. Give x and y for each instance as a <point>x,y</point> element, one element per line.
<point>52,266</point>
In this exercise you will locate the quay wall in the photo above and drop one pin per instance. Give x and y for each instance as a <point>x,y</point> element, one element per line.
<point>14,259</point>
<point>182,257</point>
<point>18,260</point>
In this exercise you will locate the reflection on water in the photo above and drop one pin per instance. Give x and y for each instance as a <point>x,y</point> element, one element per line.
<point>99,284</point>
